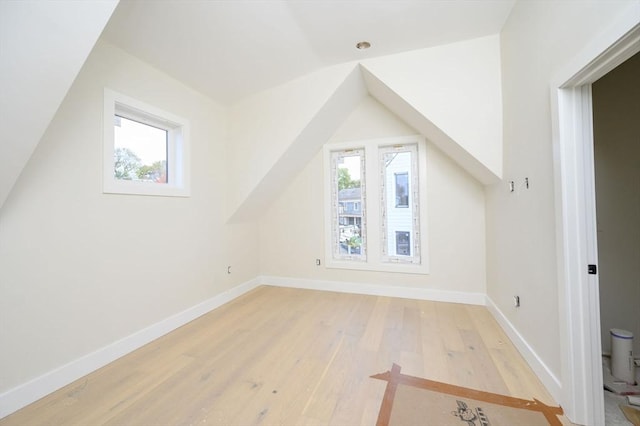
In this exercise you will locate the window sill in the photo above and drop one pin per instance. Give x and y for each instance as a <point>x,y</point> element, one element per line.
<point>402,268</point>
<point>144,188</point>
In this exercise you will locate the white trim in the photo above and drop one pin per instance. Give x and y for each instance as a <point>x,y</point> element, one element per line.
<point>605,52</point>
<point>413,206</point>
<point>376,290</point>
<point>23,395</point>
<point>374,257</point>
<point>544,373</point>
<point>333,197</point>
<point>582,394</point>
<point>178,149</point>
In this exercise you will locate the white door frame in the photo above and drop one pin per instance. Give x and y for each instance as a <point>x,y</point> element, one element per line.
<point>582,389</point>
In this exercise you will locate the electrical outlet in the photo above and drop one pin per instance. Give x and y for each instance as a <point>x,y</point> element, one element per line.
<point>516,301</point>
<point>317,262</point>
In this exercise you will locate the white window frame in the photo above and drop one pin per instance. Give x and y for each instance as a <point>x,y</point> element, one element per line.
<point>413,202</point>
<point>372,207</point>
<point>178,155</point>
<point>333,237</point>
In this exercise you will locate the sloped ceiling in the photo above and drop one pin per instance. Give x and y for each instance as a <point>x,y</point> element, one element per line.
<point>235,50</point>
<point>231,49</point>
<point>43,45</point>
<point>275,133</point>
<point>451,94</point>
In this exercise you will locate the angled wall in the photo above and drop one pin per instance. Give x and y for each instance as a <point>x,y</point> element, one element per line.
<point>452,95</point>
<point>292,231</point>
<point>42,48</point>
<point>81,270</point>
<point>275,133</point>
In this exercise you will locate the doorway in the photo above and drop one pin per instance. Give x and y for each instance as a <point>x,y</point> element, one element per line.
<point>582,387</point>
<point>616,136</point>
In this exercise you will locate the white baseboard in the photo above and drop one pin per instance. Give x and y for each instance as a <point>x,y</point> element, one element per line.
<point>23,395</point>
<point>548,379</point>
<point>377,290</point>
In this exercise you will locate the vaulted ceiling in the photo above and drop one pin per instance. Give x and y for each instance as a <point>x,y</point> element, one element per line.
<point>230,49</point>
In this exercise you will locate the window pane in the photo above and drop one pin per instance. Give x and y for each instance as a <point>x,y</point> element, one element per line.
<point>403,243</point>
<point>400,208</point>
<point>349,223</point>
<point>140,151</point>
<point>402,189</point>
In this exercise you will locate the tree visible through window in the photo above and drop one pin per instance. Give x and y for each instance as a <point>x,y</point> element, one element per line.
<point>140,151</point>
<point>348,235</point>
<point>145,149</point>
<point>373,211</point>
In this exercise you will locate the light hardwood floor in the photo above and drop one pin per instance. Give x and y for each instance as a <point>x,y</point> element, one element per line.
<point>291,357</point>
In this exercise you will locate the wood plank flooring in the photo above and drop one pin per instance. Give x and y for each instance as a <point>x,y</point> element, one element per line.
<point>291,357</point>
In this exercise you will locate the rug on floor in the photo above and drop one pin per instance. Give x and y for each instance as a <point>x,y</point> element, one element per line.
<point>412,400</point>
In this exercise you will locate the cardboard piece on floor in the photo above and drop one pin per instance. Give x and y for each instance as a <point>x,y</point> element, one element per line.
<point>632,414</point>
<point>618,387</point>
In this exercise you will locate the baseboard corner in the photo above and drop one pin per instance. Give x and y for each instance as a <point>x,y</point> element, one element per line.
<point>24,394</point>
<point>542,371</point>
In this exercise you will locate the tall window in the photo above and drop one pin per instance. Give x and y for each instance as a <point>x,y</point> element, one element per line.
<point>145,149</point>
<point>348,232</point>
<point>374,218</point>
<point>400,203</point>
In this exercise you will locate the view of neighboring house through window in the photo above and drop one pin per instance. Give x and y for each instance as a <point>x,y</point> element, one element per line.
<point>373,211</point>
<point>348,231</point>
<point>402,189</point>
<point>140,151</point>
<point>400,207</point>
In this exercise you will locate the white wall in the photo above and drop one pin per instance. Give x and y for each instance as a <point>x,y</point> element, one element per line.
<point>292,229</point>
<point>457,88</point>
<point>537,40</point>
<point>274,133</point>
<point>450,93</point>
<point>80,269</point>
<point>616,126</point>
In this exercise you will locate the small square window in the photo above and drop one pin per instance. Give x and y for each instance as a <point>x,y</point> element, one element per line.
<point>145,149</point>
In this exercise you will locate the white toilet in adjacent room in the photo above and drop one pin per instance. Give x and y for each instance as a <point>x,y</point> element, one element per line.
<point>622,363</point>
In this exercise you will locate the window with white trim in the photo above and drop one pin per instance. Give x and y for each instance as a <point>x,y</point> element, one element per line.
<point>348,232</point>
<point>375,205</point>
<point>145,149</point>
<point>399,191</point>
